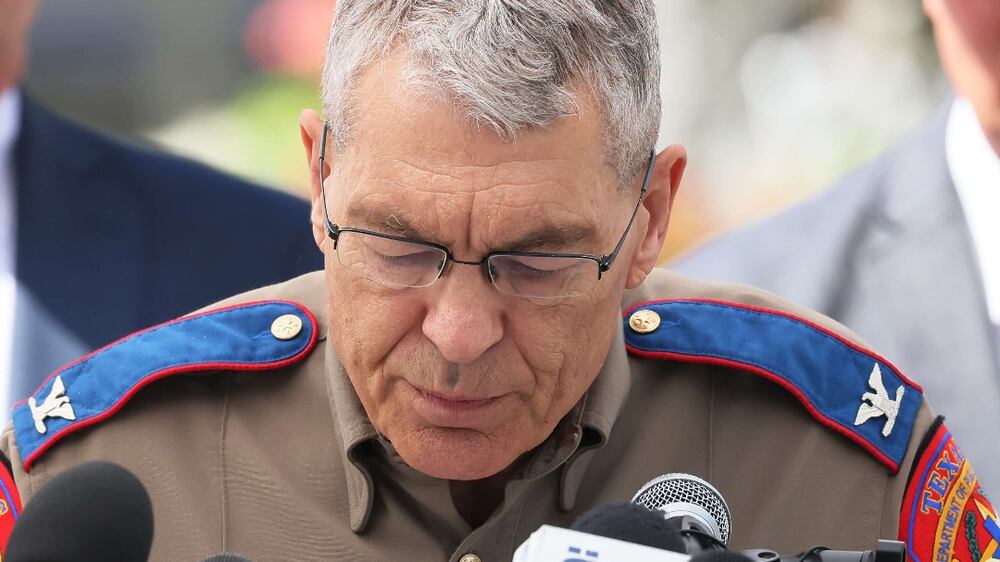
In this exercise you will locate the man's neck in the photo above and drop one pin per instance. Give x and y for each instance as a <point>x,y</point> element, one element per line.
<point>476,500</point>
<point>994,138</point>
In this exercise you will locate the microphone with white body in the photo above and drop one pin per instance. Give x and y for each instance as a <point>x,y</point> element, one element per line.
<point>607,533</point>
<point>696,510</point>
<point>555,544</point>
<point>673,518</point>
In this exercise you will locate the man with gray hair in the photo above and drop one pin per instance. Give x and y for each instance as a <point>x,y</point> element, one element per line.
<point>489,348</point>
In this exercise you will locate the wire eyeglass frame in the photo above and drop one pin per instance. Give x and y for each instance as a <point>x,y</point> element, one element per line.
<point>603,262</point>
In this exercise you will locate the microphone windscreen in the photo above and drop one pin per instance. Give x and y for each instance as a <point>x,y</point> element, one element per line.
<point>719,556</point>
<point>97,511</point>
<point>632,523</point>
<point>685,495</point>
<point>227,557</point>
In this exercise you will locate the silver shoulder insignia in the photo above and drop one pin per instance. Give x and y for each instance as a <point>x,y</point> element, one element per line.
<point>55,405</point>
<point>875,404</point>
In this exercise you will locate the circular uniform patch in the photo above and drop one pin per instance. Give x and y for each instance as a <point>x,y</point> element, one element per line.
<point>946,515</point>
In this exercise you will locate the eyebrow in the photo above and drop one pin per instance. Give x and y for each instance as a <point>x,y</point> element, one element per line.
<point>546,236</point>
<point>551,236</point>
<point>384,219</point>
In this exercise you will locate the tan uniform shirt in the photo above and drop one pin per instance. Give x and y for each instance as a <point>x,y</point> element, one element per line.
<point>285,465</point>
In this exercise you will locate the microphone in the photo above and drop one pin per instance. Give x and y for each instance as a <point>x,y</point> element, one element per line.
<point>227,557</point>
<point>696,510</point>
<point>93,512</point>
<point>691,506</point>
<point>720,556</point>
<point>632,523</point>
<point>617,531</point>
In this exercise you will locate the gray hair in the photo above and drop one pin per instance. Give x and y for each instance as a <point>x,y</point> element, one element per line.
<point>509,64</point>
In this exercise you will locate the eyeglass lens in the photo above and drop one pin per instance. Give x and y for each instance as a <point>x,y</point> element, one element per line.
<point>393,262</point>
<point>409,264</point>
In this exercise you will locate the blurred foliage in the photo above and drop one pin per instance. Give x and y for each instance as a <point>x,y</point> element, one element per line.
<point>270,111</point>
<point>255,135</point>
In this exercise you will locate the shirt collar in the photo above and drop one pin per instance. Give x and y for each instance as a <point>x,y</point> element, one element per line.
<point>975,172</point>
<point>607,394</point>
<point>354,429</point>
<point>586,428</point>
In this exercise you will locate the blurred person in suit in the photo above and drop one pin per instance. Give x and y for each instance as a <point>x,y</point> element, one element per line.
<point>99,238</point>
<point>906,250</point>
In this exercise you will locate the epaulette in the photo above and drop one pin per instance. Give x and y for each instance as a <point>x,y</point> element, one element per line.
<point>846,387</point>
<point>256,336</point>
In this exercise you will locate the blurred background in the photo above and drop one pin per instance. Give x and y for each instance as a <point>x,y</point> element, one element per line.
<point>774,99</point>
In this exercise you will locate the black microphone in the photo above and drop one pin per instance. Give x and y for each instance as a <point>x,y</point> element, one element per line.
<point>227,557</point>
<point>632,523</point>
<point>885,551</point>
<point>719,556</point>
<point>94,512</point>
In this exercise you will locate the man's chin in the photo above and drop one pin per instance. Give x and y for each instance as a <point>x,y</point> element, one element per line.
<point>451,454</point>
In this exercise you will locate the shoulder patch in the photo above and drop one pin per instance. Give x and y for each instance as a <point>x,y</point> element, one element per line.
<point>10,503</point>
<point>254,336</point>
<point>846,387</point>
<point>946,516</point>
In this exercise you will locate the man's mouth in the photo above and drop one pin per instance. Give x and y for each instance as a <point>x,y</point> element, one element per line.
<point>454,409</point>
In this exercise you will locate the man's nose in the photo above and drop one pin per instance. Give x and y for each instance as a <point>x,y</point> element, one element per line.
<point>464,315</point>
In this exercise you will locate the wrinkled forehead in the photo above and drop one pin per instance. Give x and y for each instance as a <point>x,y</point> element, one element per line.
<point>414,163</point>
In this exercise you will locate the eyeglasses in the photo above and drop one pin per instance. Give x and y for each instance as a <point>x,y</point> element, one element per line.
<point>402,262</point>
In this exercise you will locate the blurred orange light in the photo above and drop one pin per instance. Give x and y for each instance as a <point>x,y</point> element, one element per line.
<point>289,36</point>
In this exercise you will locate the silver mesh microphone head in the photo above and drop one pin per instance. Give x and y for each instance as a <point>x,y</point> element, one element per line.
<point>678,494</point>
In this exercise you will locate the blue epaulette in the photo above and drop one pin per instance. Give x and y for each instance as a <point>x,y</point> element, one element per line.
<point>844,386</point>
<point>254,336</point>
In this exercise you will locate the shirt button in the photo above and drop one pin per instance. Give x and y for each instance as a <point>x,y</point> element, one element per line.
<point>470,558</point>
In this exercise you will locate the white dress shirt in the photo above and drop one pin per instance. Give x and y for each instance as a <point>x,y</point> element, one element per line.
<point>975,171</point>
<point>10,121</point>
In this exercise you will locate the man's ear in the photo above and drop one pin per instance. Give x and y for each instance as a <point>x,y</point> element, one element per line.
<point>655,213</point>
<point>311,130</point>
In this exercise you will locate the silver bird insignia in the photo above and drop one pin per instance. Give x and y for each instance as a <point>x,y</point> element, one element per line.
<point>55,405</point>
<point>875,404</point>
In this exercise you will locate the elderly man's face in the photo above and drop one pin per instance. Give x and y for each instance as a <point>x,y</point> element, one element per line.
<point>461,378</point>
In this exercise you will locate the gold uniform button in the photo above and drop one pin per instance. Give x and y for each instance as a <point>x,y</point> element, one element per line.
<point>286,326</point>
<point>470,558</point>
<point>644,321</point>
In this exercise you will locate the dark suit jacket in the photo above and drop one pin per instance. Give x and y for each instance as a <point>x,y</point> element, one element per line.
<point>887,252</point>
<point>112,238</point>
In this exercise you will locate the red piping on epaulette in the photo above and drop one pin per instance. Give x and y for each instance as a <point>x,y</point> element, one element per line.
<point>155,376</point>
<point>832,424</point>
<point>894,467</point>
<point>11,510</point>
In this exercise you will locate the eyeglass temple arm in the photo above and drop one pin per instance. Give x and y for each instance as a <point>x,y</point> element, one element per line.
<point>609,260</point>
<point>331,229</point>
